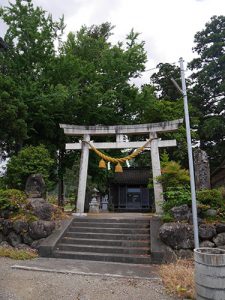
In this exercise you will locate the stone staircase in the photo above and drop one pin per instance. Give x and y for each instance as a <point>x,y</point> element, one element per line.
<point>113,240</point>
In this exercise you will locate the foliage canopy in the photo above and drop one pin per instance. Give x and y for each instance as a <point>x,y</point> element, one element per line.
<point>30,160</point>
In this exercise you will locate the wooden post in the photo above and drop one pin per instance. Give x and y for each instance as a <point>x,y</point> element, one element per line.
<point>83,175</point>
<point>156,171</point>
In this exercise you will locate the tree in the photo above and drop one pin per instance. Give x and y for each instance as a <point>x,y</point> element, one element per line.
<point>97,75</point>
<point>208,87</point>
<point>30,160</point>
<point>30,37</point>
<point>160,110</point>
<point>13,112</point>
<point>162,81</point>
<point>169,106</point>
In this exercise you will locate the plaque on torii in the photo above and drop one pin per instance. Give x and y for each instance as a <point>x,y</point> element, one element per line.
<point>119,131</point>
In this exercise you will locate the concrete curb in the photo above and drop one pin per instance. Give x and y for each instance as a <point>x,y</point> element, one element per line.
<point>82,273</point>
<point>159,251</point>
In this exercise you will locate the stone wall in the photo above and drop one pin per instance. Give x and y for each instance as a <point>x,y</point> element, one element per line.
<point>24,234</point>
<point>179,235</point>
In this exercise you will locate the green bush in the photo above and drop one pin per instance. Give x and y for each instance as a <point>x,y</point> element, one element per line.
<point>176,197</point>
<point>12,201</point>
<point>213,198</point>
<point>175,182</point>
<point>30,160</point>
<point>167,217</point>
<point>173,175</point>
<point>2,183</point>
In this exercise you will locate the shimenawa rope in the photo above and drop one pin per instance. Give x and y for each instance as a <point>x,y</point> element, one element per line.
<point>117,160</point>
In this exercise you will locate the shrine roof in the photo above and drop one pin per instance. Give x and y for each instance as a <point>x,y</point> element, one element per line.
<point>138,175</point>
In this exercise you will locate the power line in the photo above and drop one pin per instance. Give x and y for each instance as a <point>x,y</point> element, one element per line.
<point>150,70</point>
<point>155,68</point>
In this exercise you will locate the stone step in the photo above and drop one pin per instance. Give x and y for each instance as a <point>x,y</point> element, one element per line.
<point>111,220</point>
<point>99,242</point>
<point>128,258</point>
<point>110,230</point>
<point>111,225</point>
<point>107,236</point>
<point>103,249</point>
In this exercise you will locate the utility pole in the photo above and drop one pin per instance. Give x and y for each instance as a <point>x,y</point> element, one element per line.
<point>190,156</point>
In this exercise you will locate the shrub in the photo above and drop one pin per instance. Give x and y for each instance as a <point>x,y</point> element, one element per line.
<point>213,198</point>
<point>30,160</point>
<point>11,201</point>
<point>176,197</point>
<point>167,217</point>
<point>2,182</point>
<point>173,175</point>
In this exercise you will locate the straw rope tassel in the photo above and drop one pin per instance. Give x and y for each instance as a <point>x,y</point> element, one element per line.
<point>118,168</point>
<point>102,164</point>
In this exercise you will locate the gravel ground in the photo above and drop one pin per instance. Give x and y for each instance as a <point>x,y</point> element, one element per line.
<point>26,285</point>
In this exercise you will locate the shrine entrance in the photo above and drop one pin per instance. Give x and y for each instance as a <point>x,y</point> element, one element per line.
<point>129,192</point>
<point>133,195</point>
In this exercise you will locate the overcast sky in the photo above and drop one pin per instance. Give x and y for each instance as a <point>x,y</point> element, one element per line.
<point>167,26</point>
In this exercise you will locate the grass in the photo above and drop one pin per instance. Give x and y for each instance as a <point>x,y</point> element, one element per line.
<point>18,254</point>
<point>178,278</point>
<point>69,207</point>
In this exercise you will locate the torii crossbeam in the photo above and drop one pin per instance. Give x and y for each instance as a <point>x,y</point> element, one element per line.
<point>151,130</point>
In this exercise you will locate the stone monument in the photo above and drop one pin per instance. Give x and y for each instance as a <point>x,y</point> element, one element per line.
<point>35,190</point>
<point>35,186</point>
<point>202,170</point>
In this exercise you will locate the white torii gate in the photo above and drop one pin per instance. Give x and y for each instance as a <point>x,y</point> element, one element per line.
<point>151,130</point>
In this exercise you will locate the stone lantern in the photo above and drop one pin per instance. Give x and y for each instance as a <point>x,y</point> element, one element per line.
<point>94,204</point>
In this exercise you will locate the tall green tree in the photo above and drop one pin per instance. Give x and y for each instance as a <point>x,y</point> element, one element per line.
<point>97,75</point>
<point>160,110</point>
<point>30,160</point>
<point>13,112</point>
<point>161,80</point>
<point>31,37</point>
<point>208,87</point>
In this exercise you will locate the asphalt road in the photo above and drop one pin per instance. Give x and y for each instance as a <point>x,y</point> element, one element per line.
<point>50,279</point>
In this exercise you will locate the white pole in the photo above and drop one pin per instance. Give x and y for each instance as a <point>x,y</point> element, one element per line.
<point>190,157</point>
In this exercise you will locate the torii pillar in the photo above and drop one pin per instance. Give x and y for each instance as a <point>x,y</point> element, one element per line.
<point>83,174</point>
<point>156,171</point>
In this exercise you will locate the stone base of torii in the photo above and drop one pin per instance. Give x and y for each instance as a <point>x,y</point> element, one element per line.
<point>150,130</point>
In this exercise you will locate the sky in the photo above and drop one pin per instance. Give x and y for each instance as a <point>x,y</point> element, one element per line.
<point>167,26</point>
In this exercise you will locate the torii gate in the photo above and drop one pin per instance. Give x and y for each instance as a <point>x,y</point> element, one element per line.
<point>151,130</point>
